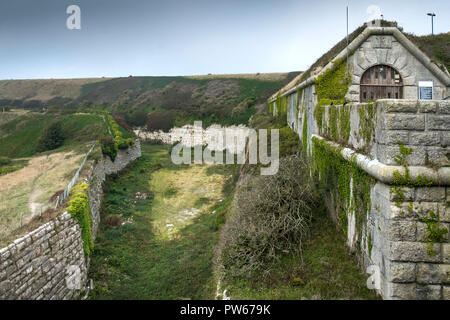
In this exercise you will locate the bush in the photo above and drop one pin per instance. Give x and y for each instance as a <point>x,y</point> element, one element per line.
<point>160,120</point>
<point>8,169</point>
<point>51,138</point>
<point>109,147</point>
<point>4,161</point>
<point>121,122</point>
<point>138,118</point>
<point>272,218</point>
<point>80,210</point>
<point>113,220</point>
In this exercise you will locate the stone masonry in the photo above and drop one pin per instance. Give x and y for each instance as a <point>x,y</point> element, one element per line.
<point>409,267</point>
<point>38,265</point>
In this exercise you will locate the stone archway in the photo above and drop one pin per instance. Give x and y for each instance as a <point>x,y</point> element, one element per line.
<point>381,82</point>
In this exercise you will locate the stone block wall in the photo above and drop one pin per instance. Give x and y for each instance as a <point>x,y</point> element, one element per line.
<point>398,229</point>
<point>37,265</point>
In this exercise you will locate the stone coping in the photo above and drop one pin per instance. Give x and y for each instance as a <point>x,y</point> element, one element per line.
<point>411,47</point>
<point>385,173</point>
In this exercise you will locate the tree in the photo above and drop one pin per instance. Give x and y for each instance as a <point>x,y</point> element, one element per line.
<point>160,120</point>
<point>138,118</point>
<point>51,138</point>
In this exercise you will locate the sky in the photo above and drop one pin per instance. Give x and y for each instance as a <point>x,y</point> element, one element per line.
<point>187,37</point>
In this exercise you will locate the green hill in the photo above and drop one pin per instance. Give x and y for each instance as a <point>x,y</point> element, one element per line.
<point>18,137</point>
<point>226,99</point>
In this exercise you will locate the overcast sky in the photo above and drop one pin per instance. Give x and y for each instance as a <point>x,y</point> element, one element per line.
<point>186,37</point>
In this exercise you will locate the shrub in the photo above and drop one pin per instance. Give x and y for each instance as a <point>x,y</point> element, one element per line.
<point>80,210</point>
<point>5,161</point>
<point>113,220</point>
<point>8,169</point>
<point>272,218</point>
<point>51,138</point>
<point>138,118</point>
<point>109,147</point>
<point>121,122</point>
<point>160,120</point>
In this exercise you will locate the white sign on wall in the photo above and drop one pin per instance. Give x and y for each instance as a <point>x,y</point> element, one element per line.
<point>426,90</point>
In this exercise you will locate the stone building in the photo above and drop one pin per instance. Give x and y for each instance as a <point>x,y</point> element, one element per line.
<point>373,120</point>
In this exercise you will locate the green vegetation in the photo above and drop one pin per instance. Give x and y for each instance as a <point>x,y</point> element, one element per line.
<point>161,251</point>
<point>332,85</point>
<point>272,217</point>
<point>324,271</point>
<point>52,137</point>
<point>368,121</point>
<point>437,47</point>
<point>121,139</point>
<point>334,174</point>
<point>227,100</point>
<point>19,137</point>
<point>80,210</point>
<point>435,233</point>
<point>305,134</point>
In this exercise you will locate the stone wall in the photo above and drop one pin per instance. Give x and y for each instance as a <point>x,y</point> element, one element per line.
<point>394,231</point>
<point>215,136</point>
<point>37,265</point>
<point>388,50</point>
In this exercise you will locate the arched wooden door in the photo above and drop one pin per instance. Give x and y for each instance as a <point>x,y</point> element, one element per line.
<point>381,82</point>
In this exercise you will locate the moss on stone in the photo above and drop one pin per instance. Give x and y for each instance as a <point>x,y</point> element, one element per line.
<point>334,175</point>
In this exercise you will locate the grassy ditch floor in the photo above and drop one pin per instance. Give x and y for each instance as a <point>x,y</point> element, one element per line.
<point>327,272</point>
<point>160,224</point>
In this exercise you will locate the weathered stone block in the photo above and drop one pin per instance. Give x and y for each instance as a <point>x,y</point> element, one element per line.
<point>413,252</point>
<point>400,230</point>
<point>416,158</point>
<point>438,122</point>
<point>409,122</point>
<point>404,291</point>
<point>397,106</point>
<point>426,138</point>
<point>444,212</point>
<point>438,156</point>
<point>391,137</point>
<point>434,194</point>
<point>428,292</point>
<point>429,273</point>
<point>445,140</point>
<point>428,106</point>
<point>400,272</point>
<point>446,292</point>
<point>444,107</point>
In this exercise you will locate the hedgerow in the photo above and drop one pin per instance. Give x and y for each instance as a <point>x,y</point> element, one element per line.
<point>110,146</point>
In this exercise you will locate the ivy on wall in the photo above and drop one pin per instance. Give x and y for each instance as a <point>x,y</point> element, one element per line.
<point>332,85</point>
<point>80,210</point>
<point>334,175</point>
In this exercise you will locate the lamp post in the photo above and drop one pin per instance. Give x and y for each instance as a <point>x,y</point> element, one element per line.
<point>432,15</point>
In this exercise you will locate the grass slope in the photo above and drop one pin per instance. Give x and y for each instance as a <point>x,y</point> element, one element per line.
<point>149,258</point>
<point>327,272</point>
<point>18,137</point>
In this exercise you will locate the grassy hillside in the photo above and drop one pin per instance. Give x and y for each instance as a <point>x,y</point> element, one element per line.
<point>226,99</point>
<point>18,137</point>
